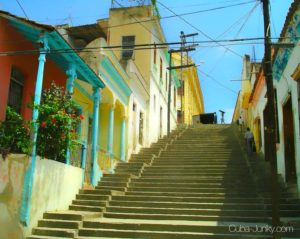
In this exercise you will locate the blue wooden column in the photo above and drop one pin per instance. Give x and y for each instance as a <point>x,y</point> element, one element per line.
<point>123,141</point>
<point>96,173</point>
<point>29,174</point>
<point>71,73</point>
<point>110,134</point>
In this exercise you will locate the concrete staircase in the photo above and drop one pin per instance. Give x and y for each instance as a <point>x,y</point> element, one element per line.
<point>91,203</point>
<point>195,184</point>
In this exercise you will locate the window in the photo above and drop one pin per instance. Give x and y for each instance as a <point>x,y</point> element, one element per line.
<point>127,47</point>
<point>160,68</point>
<point>16,90</point>
<point>154,55</point>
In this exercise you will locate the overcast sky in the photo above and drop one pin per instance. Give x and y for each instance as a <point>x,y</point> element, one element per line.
<point>220,66</point>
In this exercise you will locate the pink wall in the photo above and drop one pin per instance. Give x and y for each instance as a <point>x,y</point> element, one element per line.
<point>12,40</point>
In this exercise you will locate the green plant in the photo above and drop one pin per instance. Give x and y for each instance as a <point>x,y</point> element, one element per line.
<point>14,134</point>
<point>58,121</point>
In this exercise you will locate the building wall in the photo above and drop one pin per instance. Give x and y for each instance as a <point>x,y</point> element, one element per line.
<point>192,100</point>
<point>287,87</point>
<point>144,59</point>
<point>140,31</point>
<point>26,64</point>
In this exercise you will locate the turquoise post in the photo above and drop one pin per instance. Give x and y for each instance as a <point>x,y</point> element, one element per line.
<point>95,170</point>
<point>29,174</point>
<point>123,133</point>
<point>110,135</point>
<point>71,73</point>
<point>83,160</point>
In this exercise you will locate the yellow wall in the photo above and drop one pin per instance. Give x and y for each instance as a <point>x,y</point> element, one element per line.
<point>192,99</point>
<point>142,36</point>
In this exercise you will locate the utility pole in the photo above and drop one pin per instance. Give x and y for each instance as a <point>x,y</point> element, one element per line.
<point>170,68</point>
<point>182,47</point>
<point>271,120</point>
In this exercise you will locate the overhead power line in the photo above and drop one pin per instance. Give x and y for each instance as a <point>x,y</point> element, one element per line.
<point>150,46</point>
<point>22,9</point>
<point>138,21</point>
<point>201,32</point>
<point>217,82</point>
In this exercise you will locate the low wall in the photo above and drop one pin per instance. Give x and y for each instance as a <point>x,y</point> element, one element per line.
<point>55,186</point>
<point>12,171</point>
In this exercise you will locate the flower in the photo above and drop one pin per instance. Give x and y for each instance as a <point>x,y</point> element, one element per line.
<point>43,124</point>
<point>53,120</point>
<point>81,117</point>
<point>72,130</point>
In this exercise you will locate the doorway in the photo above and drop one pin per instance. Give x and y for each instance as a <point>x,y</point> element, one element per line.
<point>266,136</point>
<point>160,122</point>
<point>289,142</point>
<point>141,129</point>
<point>88,163</point>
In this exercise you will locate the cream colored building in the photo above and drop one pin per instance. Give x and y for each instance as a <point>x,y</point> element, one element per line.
<point>129,27</point>
<point>189,95</point>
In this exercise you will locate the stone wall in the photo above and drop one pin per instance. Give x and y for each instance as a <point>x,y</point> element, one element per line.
<point>55,186</point>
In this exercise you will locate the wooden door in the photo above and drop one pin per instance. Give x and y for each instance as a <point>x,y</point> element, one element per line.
<point>289,142</point>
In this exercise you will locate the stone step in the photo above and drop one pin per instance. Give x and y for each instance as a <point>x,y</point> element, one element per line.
<point>167,227</point>
<point>45,237</point>
<point>223,218</point>
<point>221,159</point>
<point>187,180</point>
<point>96,191</point>
<point>196,162</point>
<point>92,197</point>
<point>67,215</point>
<point>194,179</point>
<point>115,188</point>
<point>55,223</point>
<point>188,211</point>
<point>56,232</point>
<point>190,185</point>
<point>231,191</point>
<point>188,194</point>
<point>200,199</point>
<point>96,203</point>
<point>186,205</point>
<point>157,235</point>
<point>120,176</point>
<point>196,170</point>
<point>234,175</point>
<point>112,184</point>
<point>86,208</point>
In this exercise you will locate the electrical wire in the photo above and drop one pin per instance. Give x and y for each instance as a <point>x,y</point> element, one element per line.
<point>22,9</point>
<point>200,31</point>
<point>209,10</point>
<point>217,82</point>
<point>205,4</point>
<point>139,22</point>
<point>229,42</point>
<point>236,35</point>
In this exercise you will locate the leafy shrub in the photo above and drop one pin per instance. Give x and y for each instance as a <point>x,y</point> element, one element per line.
<point>14,134</point>
<point>58,121</point>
